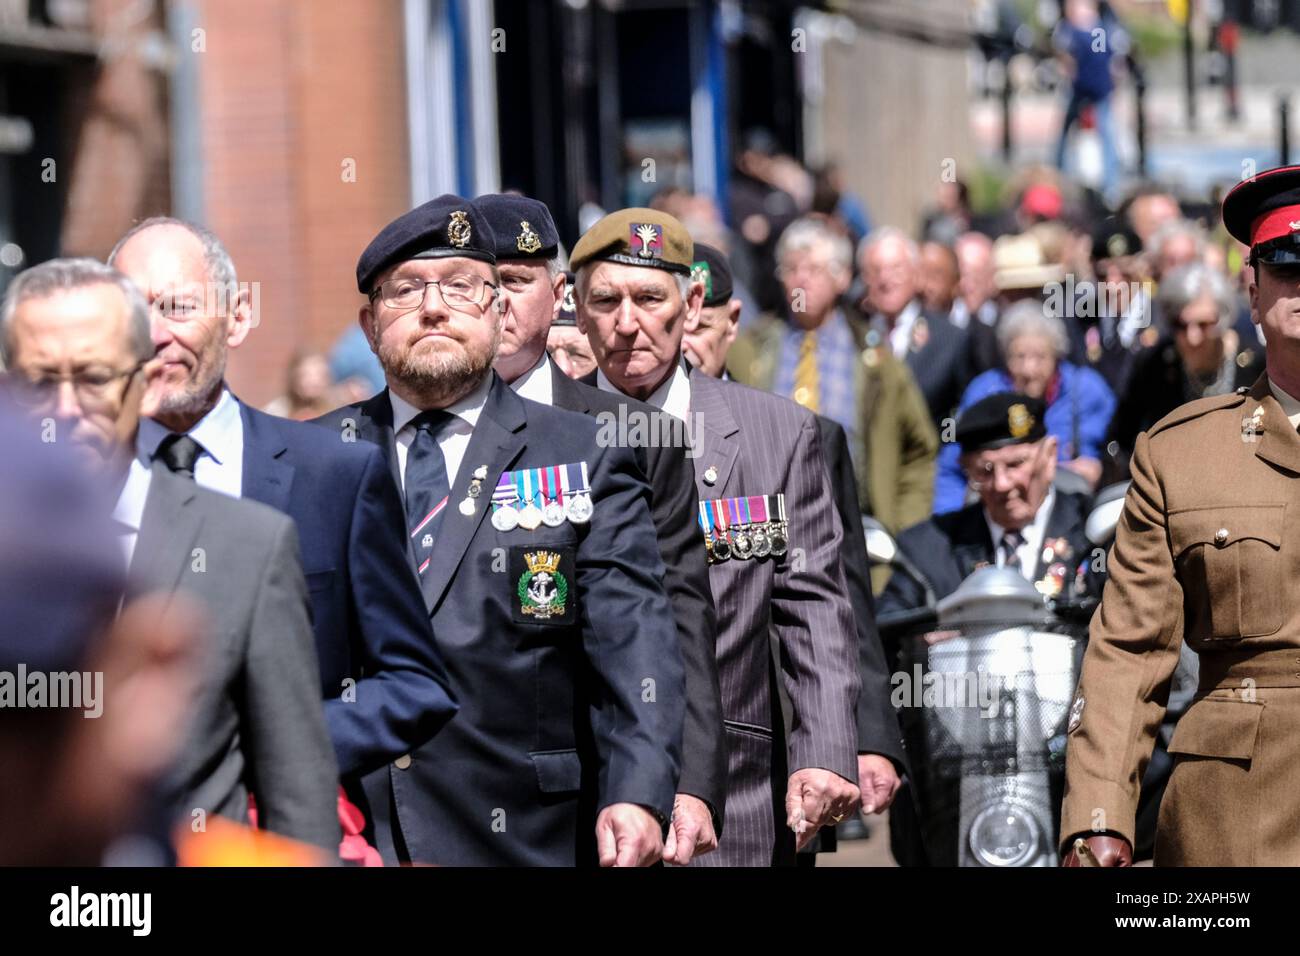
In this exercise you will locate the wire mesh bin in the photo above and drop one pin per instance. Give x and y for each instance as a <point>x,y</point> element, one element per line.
<point>984,698</point>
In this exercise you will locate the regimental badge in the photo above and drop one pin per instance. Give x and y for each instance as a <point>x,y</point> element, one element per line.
<point>647,241</point>
<point>458,230</point>
<point>700,273</point>
<point>569,304</point>
<point>1053,582</point>
<point>426,541</point>
<point>1019,421</point>
<point>528,241</point>
<point>1057,549</point>
<point>1245,357</point>
<point>1076,713</point>
<point>544,580</point>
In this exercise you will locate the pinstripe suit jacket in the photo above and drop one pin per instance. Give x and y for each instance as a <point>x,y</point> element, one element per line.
<point>761,444</point>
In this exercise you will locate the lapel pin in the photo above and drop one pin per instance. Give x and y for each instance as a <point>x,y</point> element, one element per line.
<point>710,475</point>
<point>467,507</point>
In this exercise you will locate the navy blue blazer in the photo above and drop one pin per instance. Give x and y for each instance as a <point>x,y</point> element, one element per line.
<point>367,612</point>
<point>560,716</point>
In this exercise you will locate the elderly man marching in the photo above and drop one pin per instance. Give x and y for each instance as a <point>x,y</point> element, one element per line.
<point>1207,544</point>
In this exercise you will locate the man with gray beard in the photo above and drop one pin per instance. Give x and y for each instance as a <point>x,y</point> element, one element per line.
<point>558,636</point>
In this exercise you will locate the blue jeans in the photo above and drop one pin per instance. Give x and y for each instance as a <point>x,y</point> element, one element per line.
<point>1105,129</point>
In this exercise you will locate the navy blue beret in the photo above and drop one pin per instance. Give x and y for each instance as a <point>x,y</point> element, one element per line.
<point>62,572</point>
<point>1004,418</point>
<point>440,228</point>
<point>523,226</point>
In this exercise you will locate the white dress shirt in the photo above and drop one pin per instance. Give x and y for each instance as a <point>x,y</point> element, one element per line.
<point>220,434</point>
<point>673,396</point>
<point>535,384</point>
<point>1031,548</point>
<point>900,336</point>
<point>454,439</point>
<point>1290,405</point>
<point>128,513</point>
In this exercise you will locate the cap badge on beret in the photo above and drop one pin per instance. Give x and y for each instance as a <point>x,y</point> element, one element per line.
<point>1019,421</point>
<point>647,240</point>
<point>528,241</point>
<point>700,273</point>
<point>1117,246</point>
<point>458,230</point>
<point>569,305</point>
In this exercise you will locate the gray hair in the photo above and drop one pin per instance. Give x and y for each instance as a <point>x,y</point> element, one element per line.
<point>684,282</point>
<point>807,233</point>
<point>889,234</point>
<point>1028,318</point>
<point>1189,283</point>
<point>64,275</point>
<point>217,261</point>
<point>1172,230</point>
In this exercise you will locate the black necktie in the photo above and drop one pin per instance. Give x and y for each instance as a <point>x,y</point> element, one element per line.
<point>179,453</point>
<point>427,487</point>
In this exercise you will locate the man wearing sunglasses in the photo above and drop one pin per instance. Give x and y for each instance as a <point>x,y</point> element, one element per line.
<point>535,549</point>
<point>1206,554</point>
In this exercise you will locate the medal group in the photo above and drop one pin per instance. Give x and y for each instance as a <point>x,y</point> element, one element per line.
<point>743,528</point>
<point>531,497</point>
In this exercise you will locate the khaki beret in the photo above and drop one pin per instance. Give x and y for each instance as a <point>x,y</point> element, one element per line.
<point>637,237</point>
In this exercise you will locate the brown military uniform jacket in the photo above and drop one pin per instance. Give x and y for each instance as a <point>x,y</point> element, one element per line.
<point>1207,551</point>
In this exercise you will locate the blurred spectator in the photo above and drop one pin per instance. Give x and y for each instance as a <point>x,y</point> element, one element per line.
<point>951,215</point>
<point>310,389</point>
<point>1079,405</point>
<point>976,290</point>
<point>1085,44</point>
<point>832,197</point>
<point>1203,356</point>
<point>828,361</point>
<point>1148,208</point>
<point>1020,271</point>
<point>1174,244</point>
<point>939,278</point>
<point>768,191</point>
<point>1041,202</point>
<point>934,349</point>
<point>354,367</point>
<point>1113,316</point>
<point>78,791</point>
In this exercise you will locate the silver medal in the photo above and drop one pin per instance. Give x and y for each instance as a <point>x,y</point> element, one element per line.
<point>505,518</point>
<point>553,514</point>
<point>578,508</point>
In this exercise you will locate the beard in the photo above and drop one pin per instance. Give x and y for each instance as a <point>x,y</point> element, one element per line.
<point>174,405</point>
<point>438,376</point>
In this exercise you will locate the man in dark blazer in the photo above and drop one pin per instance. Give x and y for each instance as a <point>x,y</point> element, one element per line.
<point>934,349</point>
<point>533,288</point>
<point>635,296</point>
<point>558,637</point>
<point>258,723</point>
<point>881,761</point>
<point>381,676</point>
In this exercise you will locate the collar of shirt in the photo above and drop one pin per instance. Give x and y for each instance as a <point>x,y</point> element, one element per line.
<point>673,396</point>
<point>220,434</point>
<point>900,336</point>
<point>1033,533</point>
<point>128,513</point>
<point>454,439</point>
<point>1290,405</point>
<point>535,384</point>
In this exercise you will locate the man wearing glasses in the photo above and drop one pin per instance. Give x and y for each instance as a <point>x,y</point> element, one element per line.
<point>533,541</point>
<point>1020,520</point>
<point>75,336</point>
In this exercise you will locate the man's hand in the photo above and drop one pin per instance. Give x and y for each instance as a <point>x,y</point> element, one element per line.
<point>878,781</point>
<point>815,798</point>
<point>627,835</point>
<point>691,833</point>
<point>1106,849</point>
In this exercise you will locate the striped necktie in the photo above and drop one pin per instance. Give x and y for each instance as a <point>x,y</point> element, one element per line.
<point>1011,543</point>
<point>425,480</point>
<point>807,389</point>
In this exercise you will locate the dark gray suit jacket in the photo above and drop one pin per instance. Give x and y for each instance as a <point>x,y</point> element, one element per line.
<point>762,444</point>
<point>258,723</point>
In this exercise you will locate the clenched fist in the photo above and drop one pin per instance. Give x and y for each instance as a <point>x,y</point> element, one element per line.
<point>691,833</point>
<point>815,798</point>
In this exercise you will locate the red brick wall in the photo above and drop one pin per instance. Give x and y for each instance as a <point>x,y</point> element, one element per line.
<point>288,91</point>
